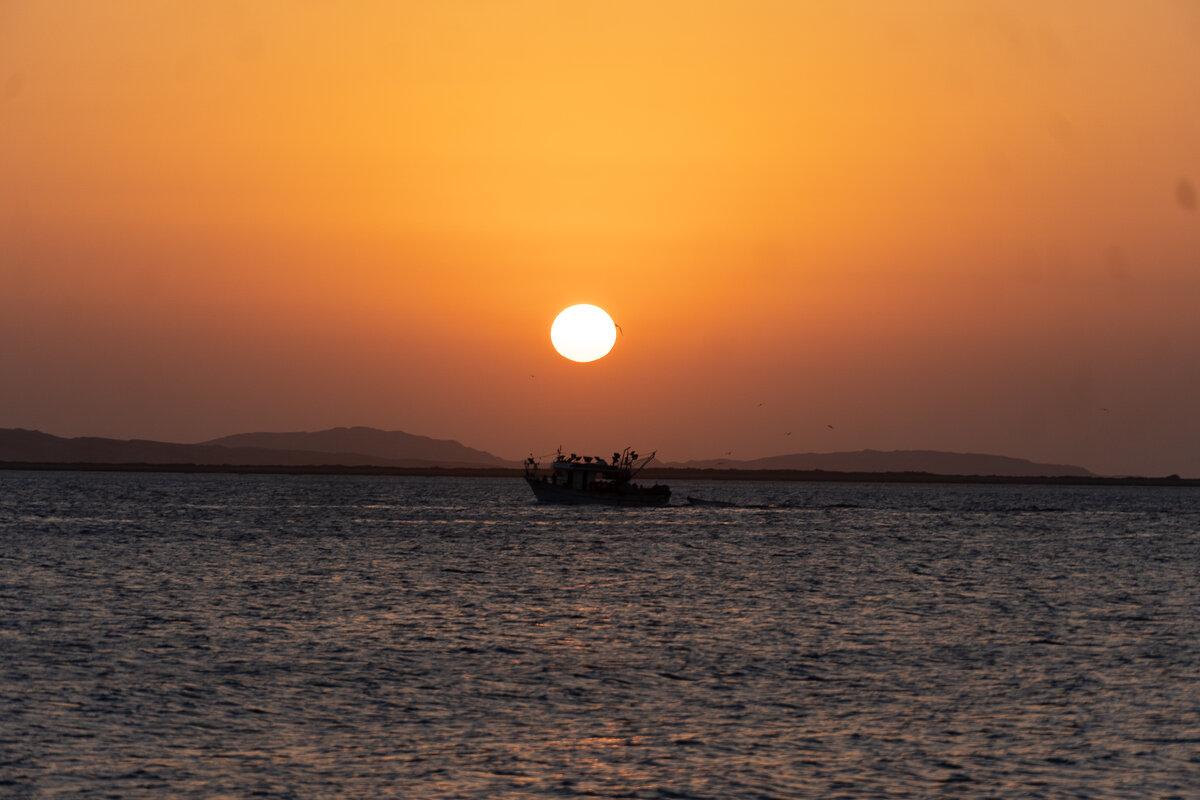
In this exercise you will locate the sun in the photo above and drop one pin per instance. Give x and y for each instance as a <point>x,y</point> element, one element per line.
<point>583,333</point>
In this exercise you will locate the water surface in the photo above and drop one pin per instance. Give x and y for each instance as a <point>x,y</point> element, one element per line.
<point>208,635</point>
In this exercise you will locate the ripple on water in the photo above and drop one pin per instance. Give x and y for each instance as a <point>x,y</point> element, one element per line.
<point>202,636</point>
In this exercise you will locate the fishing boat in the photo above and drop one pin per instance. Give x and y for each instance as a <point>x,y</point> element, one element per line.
<point>592,480</point>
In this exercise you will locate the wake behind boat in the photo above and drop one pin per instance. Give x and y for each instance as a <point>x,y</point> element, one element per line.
<point>705,501</point>
<point>590,480</point>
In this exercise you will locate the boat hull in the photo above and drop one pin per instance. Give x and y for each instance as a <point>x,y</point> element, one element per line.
<point>633,496</point>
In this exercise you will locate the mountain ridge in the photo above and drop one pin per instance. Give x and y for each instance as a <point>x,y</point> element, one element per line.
<point>366,441</point>
<point>937,462</point>
<point>22,445</point>
<point>363,446</point>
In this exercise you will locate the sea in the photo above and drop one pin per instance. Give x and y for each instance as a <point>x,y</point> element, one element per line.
<point>232,636</point>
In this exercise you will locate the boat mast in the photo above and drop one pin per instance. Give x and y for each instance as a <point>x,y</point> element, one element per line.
<point>645,461</point>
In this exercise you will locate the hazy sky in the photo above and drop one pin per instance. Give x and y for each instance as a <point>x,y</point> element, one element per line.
<point>966,226</point>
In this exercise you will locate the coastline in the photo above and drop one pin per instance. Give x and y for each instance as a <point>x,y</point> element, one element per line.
<point>658,474</point>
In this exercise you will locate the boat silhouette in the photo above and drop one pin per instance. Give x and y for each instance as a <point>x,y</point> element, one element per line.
<point>592,480</point>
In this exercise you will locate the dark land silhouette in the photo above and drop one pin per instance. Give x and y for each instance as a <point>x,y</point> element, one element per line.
<point>347,447</point>
<point>369,451</point>
<point>371,442</point>
<point>932,461</point>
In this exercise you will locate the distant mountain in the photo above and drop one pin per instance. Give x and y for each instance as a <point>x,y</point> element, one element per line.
<point>932,461</point>
<point>353,447</point>
<point>17,444</point>
<point>390,445</point>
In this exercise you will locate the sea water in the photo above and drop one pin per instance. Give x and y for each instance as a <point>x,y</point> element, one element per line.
<point>200,636</point>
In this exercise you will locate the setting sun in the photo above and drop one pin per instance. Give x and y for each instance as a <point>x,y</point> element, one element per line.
<point>583,333</point>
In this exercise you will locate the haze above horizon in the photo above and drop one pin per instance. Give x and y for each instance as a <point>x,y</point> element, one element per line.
<point>820,227</point>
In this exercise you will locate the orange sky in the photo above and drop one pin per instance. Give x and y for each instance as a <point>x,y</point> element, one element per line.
<point>937,225</point>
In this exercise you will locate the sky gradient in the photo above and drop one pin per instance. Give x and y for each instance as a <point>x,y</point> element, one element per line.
<point>820,226</point>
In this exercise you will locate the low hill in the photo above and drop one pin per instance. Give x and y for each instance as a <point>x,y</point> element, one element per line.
<point>390,445</point>
<point>931,461</point>
<point>26,446</point>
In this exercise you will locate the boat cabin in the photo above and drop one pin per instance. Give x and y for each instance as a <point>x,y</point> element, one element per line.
<point>584,474</point>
